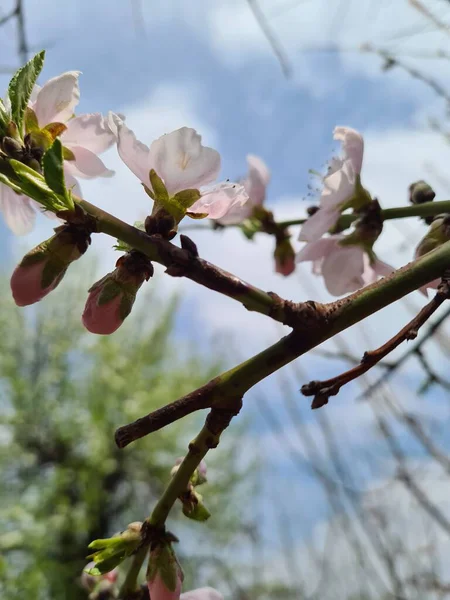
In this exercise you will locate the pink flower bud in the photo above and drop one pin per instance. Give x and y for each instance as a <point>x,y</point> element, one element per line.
<point>284,258</point>
<point>90,582</point>
<point>164,574</point>
<point>42,269</point>
<point>206,593</point>
<point>111,298</point>
<point>26,283</point>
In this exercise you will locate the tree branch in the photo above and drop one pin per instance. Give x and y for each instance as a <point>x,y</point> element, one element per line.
<point>318,323</point>
<point>322,390</point>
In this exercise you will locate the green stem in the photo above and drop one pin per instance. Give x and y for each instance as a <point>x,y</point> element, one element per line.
<point>428,209</point>
<point>130,586</point>
<point>179,482</point>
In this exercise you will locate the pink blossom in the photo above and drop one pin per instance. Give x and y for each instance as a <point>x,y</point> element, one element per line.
<point>89,582</point>
<point>183,163</point>
<point>285,266</point>
<point>163,561</point>
<point>338,185</point>
<point>159,591</point>
<point>26,283</point>
<point>206,593</point>
<point>345,268</point>
<point>255,184</point>
<point>105,318</point>
<point>85,136</point>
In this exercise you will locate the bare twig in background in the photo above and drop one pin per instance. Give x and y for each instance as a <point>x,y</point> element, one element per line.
<point>426,12</point>
<point>273,41</point>
<point>322,390</point>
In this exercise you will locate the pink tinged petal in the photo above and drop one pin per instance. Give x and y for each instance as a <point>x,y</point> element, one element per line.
<point>158,590</point>
<point>219,199</point>
<point>318,224</point>
<point>182,162</point>
<point>90,131</point>
<point>236,214</point>
<point>18,211</point>
<point>352,144</point>
<point>26,284</point>
<point>318,249</point>
<point>102,319</point>
<point>57,99</point>
<point>133,153</point>
<point>257,180</point>
<point>342,270</point>
<point>338,187</point>
<point>206,593</point>
<point>372,272</point>
<point>86,165</point>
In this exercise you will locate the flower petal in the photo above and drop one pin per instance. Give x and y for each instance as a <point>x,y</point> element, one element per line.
<point>134,153</point>
<point>342,270</point>
<point>318,249</point>
<point>182,162</point>
<point>338,187</point>
<point>206,593</point>
<point>352,144</point>
<point>56,100</point>
<point>219,199</point>
<point>257,180</point>
<point>17,211</point>
<point>318,224</point>
<point>86,165</point>
<point>90,131</point>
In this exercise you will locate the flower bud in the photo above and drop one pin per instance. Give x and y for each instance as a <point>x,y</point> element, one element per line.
<point>164,574</point>
<point>111,298</point>
<point>42,269</point>
<point>420,192</point>
<point>284,257</point>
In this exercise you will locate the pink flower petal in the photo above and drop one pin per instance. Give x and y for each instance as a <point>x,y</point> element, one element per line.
<point>257,180</point>
<point>89,131</point>
<point>18,211</point>
<point>338,187</point>
<point>56,100</point>
<point>352,144</point>
<point>134,153</point>
<point>342,270</point>
<point>86,165</point>
<point>318,249</point>
<point>182,162</point>
<point>206,593</point>
<point>318,224</point>
<point>236,214</point>
<point>219,199</point>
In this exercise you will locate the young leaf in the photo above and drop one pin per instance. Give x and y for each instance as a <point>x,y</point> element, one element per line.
<point>21,86</point>
<point>53,163</point>
<point>32,184</point>
<point>5,118</point>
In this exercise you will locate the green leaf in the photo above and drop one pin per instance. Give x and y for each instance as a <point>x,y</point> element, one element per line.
<point>198,513</point>
<point>53,163</point>
<point>159,189</point>
<point>31,122</point>
<point>187,197</point>
<point>21,86</point>
<point>5,117</point>
<point>32,184</point>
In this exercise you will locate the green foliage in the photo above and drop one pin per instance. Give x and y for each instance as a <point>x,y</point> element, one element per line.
<point>21,86</point>
<point>63,482</point>
<point>53,164</point>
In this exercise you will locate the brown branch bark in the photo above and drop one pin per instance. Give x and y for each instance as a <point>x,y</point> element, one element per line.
<point>322,390</point>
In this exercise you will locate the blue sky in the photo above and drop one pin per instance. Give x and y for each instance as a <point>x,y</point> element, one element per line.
<point>206,64</point>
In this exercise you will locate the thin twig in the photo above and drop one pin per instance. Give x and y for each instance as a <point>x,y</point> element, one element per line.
<point>274,43</point>
<point>411,352</point>
<point>322,390</point>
